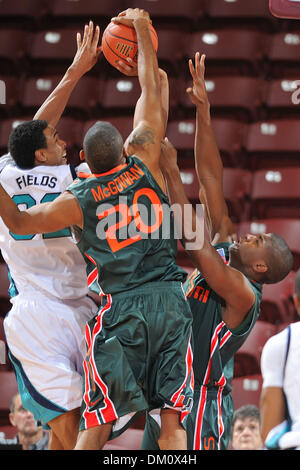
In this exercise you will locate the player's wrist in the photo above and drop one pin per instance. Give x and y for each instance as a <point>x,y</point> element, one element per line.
<point>141,22</point>
<point>203,113</point>
<point>74,72</point>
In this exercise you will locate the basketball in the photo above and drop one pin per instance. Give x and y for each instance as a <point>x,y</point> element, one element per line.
<point>120,42</point>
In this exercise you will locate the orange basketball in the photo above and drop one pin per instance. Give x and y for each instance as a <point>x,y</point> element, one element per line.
<point>119,42</point>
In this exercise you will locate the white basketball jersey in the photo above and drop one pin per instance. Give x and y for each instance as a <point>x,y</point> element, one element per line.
<point>49,262</point>
<point>291,384</point>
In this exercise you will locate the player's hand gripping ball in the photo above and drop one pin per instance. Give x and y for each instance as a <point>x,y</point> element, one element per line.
<point>120,42</point>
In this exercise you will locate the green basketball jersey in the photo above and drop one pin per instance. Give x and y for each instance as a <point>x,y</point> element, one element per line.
<point>214,345</point>
<point>128,229</point>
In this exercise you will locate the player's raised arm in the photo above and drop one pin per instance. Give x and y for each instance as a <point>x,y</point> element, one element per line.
<point>63,212</point>
<point>149,118</point>
<point>222,278</point>
<point>85,58</point>
<point>131,70</point>
<point>208,163</point>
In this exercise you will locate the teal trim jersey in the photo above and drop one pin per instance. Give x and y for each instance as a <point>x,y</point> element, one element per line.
<point>128,235</point>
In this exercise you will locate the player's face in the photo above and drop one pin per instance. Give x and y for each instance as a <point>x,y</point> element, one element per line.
<point>251,248</point>
<point>56,147</point>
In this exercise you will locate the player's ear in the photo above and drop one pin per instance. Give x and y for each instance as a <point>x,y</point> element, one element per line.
<point>40,155</point>
<point>81,155</point>
<point>260,266</point>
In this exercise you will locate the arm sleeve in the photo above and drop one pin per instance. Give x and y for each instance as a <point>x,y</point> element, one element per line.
<point>272,360</point>
<point>5,160</point>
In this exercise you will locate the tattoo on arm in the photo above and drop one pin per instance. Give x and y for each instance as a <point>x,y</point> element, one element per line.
<point>142,137</point>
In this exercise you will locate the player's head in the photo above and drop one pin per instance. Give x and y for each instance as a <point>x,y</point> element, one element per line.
<point>35,143</point>
<point>102,147</point>
<point>265,258</point>
<point>297,292</point>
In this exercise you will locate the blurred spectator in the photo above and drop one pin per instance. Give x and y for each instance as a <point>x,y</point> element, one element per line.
<point>245,430</point>
<point>280,398</point>
<point>29,436</point>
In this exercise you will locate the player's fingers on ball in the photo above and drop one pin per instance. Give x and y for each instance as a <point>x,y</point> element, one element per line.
<point>121,66</point>
<point>96,36</point>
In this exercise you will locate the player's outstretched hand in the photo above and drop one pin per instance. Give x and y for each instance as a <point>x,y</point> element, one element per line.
<point>88,50</point>
<point>197,93</point>
<point>128,16</point>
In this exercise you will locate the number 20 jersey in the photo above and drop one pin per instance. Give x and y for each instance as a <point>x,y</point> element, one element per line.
<point>128,229</point>
<point>50,263</point>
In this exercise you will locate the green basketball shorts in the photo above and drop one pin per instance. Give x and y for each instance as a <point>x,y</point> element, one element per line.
<point>139,356</point>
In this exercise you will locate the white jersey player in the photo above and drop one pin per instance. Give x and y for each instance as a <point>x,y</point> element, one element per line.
<point>280,399</point>
<point>50,306</point>
<point>284,376</point>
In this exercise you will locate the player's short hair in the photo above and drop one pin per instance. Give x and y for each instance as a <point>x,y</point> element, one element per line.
<point>24,140</point>
<point>279,260</point>
<point>103,146</point>
<point>244,412</point>
<point>297,283</point>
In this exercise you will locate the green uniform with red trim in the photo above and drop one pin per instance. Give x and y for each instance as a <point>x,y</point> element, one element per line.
<point>139,354</point>
<point>214,346</point>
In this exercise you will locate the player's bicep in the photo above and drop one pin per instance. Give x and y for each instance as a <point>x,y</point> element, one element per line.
<point>53,216</point>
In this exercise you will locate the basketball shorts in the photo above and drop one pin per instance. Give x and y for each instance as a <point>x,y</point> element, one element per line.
<point>208,425</point>
<point>139,356</point>
<point>45,338</point>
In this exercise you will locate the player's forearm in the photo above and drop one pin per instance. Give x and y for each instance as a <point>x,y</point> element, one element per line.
<point>208,162</point>
<point>184,215</point>
<point>148,73</point>
<point>52,109</point>
<point>164,97</point>
<point>272,409</point>
<point>15,220</point>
